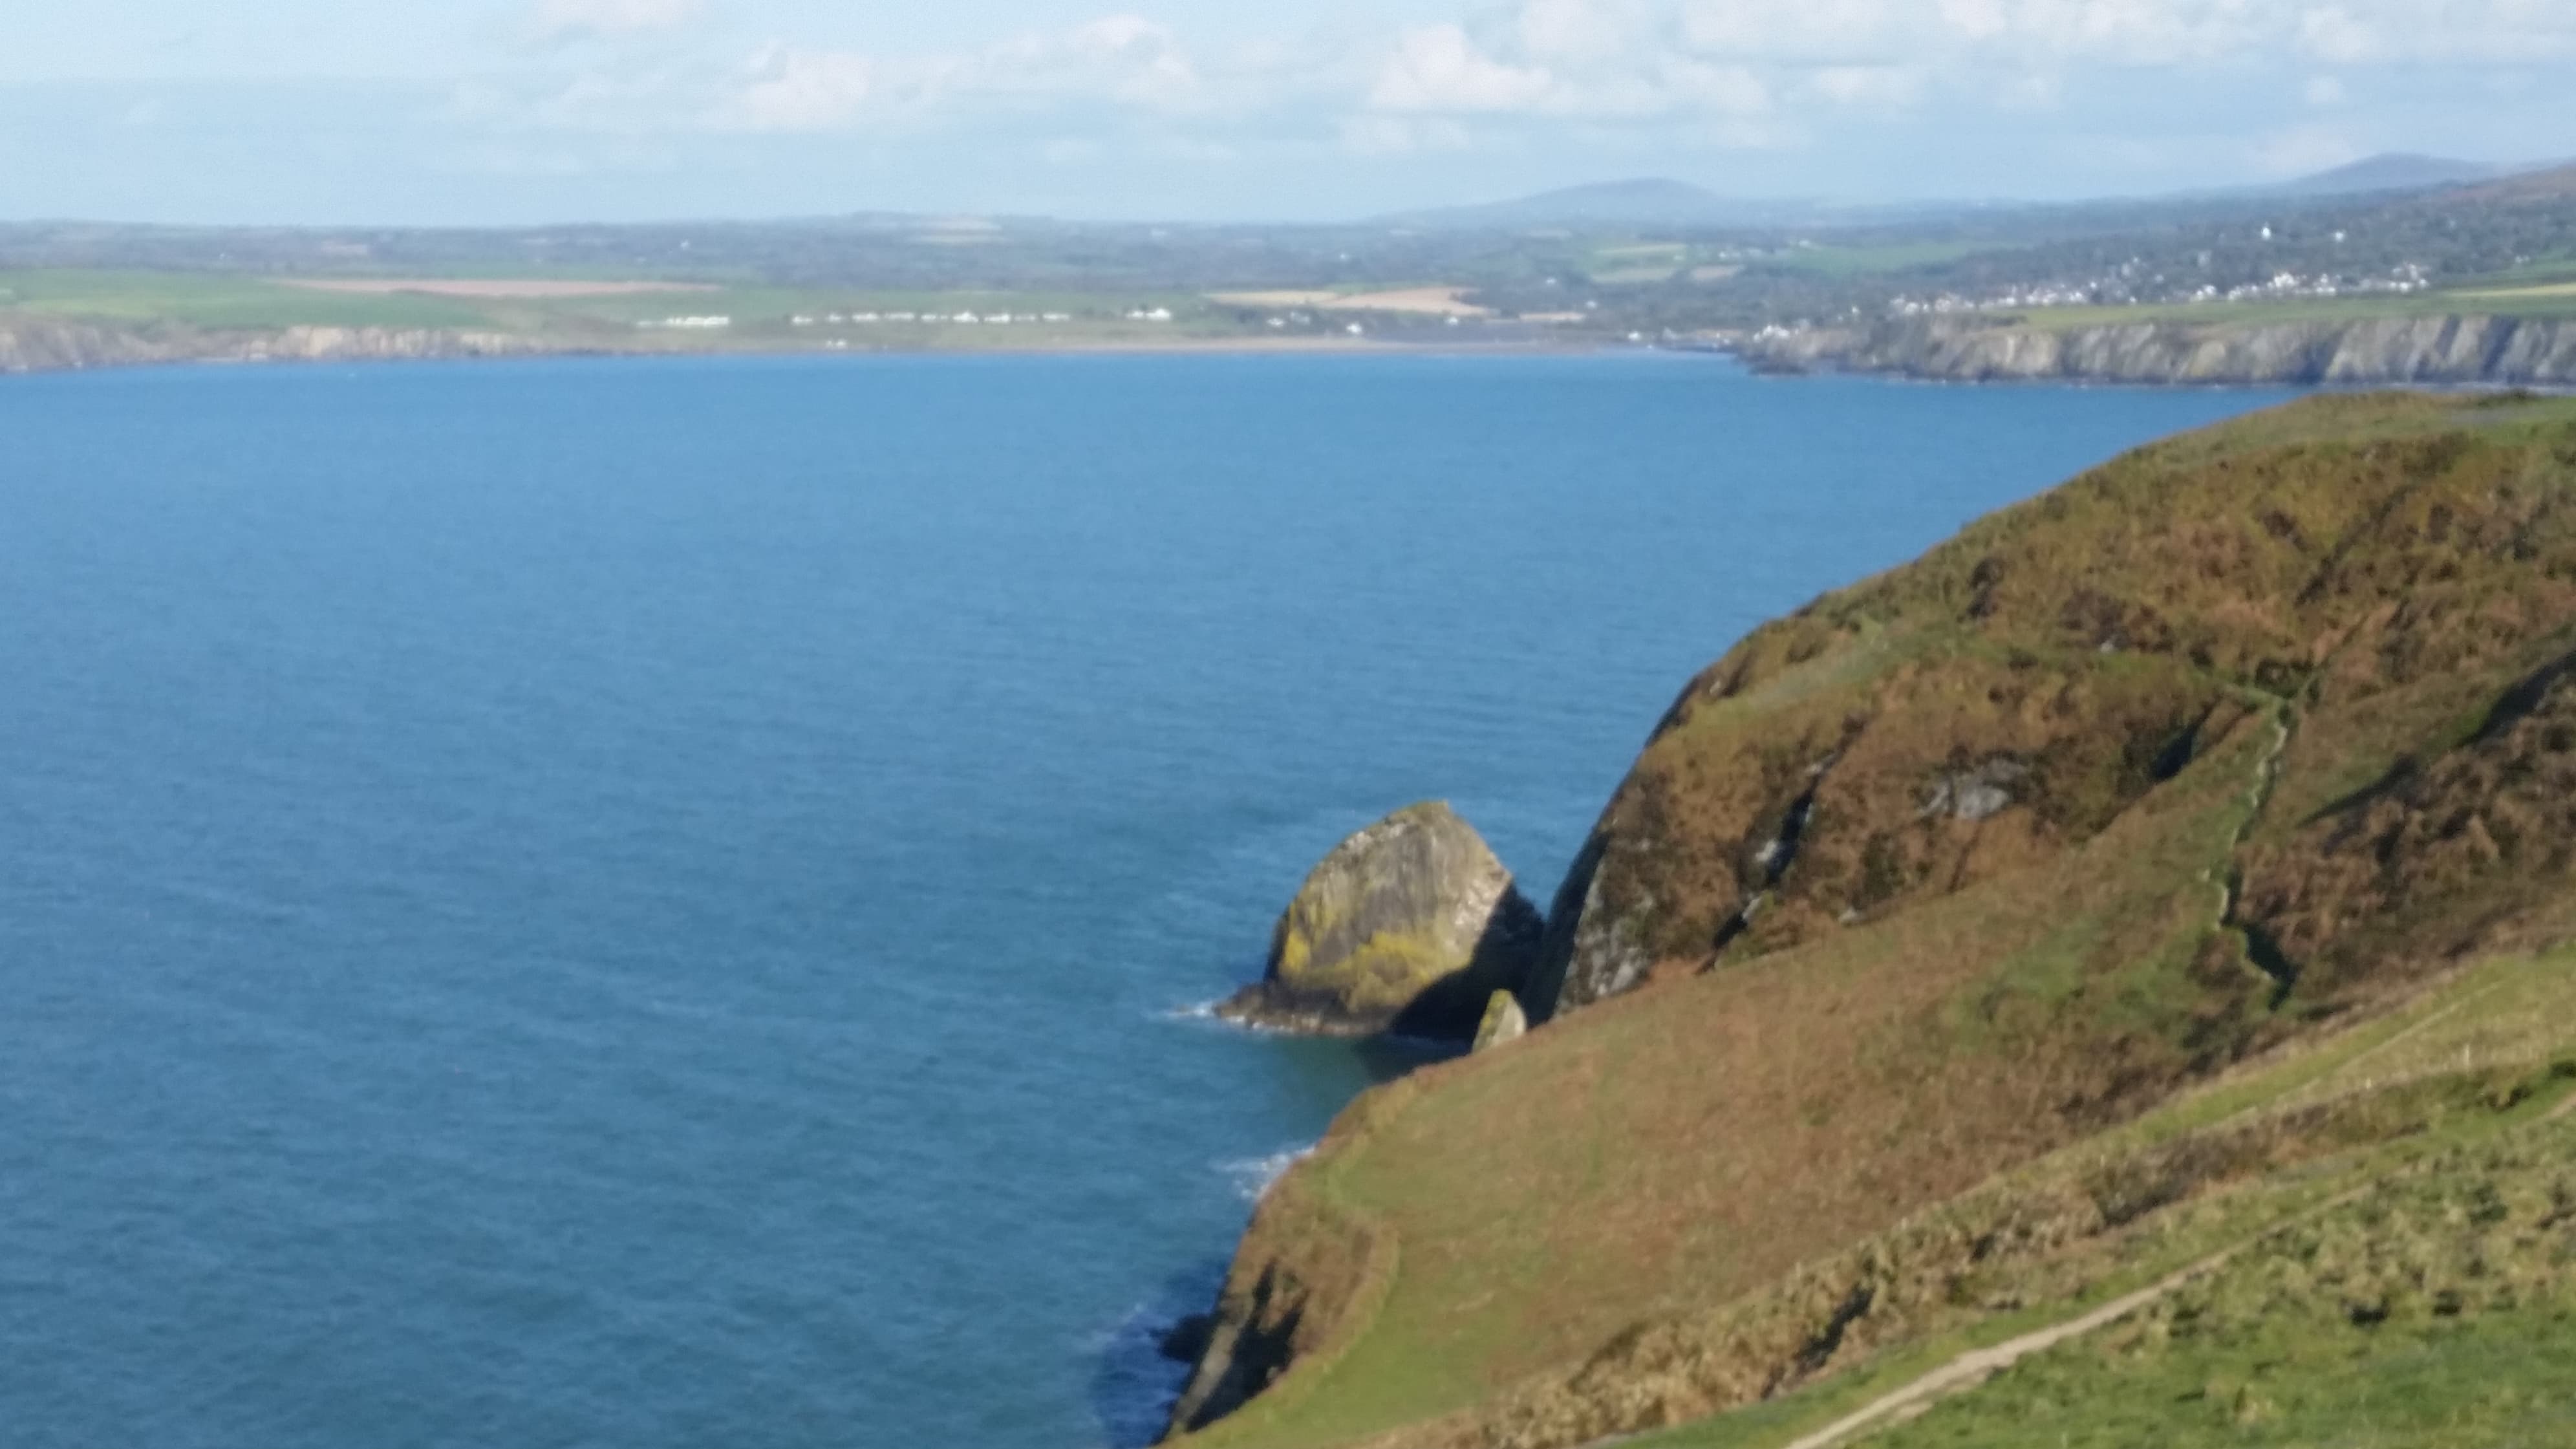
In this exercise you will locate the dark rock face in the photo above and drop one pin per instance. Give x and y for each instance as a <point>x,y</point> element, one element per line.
<point>1238,1358</point>
<point>1187,1340</point>
<point>1408,926</point>
<point>1588,952</point>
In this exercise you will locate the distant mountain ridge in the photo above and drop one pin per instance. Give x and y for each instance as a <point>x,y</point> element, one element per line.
<point>1638,201</point>
<point>2389,171</point>
<point>1663,201</point>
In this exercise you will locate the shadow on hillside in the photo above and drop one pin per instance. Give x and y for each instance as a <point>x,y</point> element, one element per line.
<point>1134,1383</point>
<point>1386,1058</point>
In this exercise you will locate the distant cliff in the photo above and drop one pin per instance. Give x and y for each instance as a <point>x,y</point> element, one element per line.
<point>2460,350</point>
<point>32,345</point>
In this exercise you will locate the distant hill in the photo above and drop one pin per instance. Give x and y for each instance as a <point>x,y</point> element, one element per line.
<point>1644,201</point>
<point>1662,202</point>
<point>2553,183</point>
<point>2390,171</point>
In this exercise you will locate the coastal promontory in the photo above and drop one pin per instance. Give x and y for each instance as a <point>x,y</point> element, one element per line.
<point>2136,939</point>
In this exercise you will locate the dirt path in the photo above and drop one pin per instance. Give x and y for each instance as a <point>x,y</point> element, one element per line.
<point>1977,1365</point>
<point>1973,1368</point>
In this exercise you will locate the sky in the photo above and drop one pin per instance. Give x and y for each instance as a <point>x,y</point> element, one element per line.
<point>475,112</point>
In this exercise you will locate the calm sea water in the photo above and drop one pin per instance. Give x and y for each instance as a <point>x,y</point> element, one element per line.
<point>656,904</point>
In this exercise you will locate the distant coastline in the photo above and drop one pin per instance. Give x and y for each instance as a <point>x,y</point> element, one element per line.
<point>44,347</point>
<point>2456,349</point>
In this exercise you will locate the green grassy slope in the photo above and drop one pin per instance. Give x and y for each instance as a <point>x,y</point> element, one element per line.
<point>212,300</point>
<point>2393,1205</point>
<point>2286,716</point>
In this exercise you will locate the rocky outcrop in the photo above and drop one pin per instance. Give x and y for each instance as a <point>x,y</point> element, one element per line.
<point>1238,1356</point>
<point>31,345</point>
<point>1408,926</point>
<point>1504,1022</point>
<point>2442,350</point>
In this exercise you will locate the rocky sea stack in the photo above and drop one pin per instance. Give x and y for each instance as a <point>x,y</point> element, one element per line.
<point>1409,926</point>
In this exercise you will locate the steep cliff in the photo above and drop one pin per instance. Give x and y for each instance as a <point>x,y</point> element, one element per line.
<point>2240,739</point>
<point>1410,925</point>
<point>42,345</point>
<point>2459,350</point>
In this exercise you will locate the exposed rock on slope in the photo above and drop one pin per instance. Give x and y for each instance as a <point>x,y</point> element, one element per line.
<point>1409,926</point>
<point>1505,1021</point>
<point>47,346</point>
<point>2446,350</point>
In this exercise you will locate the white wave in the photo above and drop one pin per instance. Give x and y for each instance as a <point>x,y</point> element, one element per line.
<point>1253,1176</point>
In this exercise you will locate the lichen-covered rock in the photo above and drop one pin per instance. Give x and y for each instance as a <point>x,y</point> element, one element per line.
<point>1409,926</point>
<point>1504,1021</point>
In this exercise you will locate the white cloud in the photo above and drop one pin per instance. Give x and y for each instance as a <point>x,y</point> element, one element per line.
<point>802,90</point>
<point>1119,60</point>
<point>2423,32</point>
<point>1557,61</point>
<point>570,19</point>
<point>1960,35</point>
<point>2333,33</point>
<point>1812,31</point>
<point>1609,73</point>
<point>1438,68</point>
<point>2130,32</point>
<point>1868,85</point>
<point>1581,31</point>
<point>1732,90</point>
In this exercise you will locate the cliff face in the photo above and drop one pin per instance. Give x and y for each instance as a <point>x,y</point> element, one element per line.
<point>1411,925</point>
<point>2249,732</point>
<point>2012,693</point>
<point>48,346</point>
<point>2458,350</point>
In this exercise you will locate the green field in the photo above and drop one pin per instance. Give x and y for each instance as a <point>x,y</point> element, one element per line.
<point>1833,260</point>
<point>215,300</point>
<point>2417,1288</point>
<point>759,316</point>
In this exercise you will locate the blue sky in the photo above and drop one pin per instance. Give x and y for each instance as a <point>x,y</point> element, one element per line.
<point>530,111</point>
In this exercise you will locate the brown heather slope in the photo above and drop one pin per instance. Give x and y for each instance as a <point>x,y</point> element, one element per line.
<point>2379,571</point>
<point>2243,733</point>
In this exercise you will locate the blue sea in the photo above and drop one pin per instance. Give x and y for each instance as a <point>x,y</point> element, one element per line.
<point>665,903</point>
